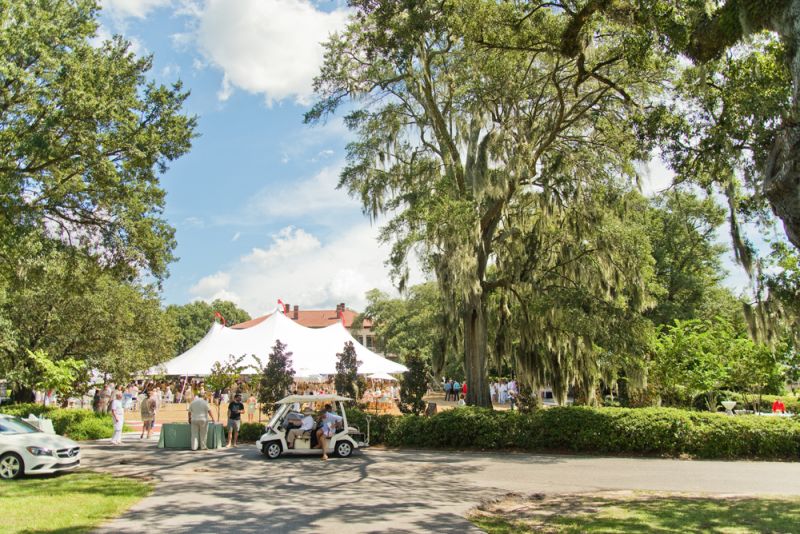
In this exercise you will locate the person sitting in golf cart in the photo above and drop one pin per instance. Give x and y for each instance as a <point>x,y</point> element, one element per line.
<point>306,426</point>
<point>328,423</point>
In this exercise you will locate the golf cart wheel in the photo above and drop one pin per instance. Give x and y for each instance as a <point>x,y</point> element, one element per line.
<point>344,449</point>
<point>10,466</point>
<point>272,450</point>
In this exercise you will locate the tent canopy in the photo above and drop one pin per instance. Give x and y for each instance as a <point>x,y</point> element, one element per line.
<point>313,349</point>
<point>382,376</point>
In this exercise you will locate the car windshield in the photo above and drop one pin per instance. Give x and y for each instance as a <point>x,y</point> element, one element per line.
<point>15,425</point>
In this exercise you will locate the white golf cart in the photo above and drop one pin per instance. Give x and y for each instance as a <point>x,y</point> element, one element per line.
<point>273,442</point>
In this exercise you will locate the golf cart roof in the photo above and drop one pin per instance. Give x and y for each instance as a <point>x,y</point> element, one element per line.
<point>291,399</point>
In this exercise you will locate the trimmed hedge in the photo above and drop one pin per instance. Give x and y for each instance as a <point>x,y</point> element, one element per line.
<point>250,431</point>
<point>76,424</point>
<point>378,424</point>
<point>650,431</point>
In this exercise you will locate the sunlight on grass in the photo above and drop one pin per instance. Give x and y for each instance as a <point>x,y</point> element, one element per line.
<point>74,502</point>
<point>652,514</point>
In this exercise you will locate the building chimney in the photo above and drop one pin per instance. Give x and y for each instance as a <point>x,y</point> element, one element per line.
<point>296,312</point>
<point>286,309</point>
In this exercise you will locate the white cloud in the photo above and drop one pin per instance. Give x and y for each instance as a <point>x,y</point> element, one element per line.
<point>269,47</point>
<point>655,175</point>
<point>194,222</point>
<point>317,195</point>
<point>122,9</point>
<point>299,269</point>
<point>214,287</point>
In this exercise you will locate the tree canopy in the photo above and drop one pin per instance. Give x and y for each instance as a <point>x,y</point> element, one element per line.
<point>497,158</point>
<point>84,244</point>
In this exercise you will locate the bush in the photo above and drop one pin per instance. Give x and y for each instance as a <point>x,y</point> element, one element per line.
<point>74,423</point>
<point>251,431</point>
<point>379,425</point>
<point>652,431</point>
<point>792,403</point>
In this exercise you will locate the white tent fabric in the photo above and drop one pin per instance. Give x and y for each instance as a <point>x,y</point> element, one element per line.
<point>313,349</point>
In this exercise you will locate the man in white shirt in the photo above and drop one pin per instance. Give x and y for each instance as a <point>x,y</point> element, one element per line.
<point>306,425</point>
<point>199,416</point>
<point>330,421</point>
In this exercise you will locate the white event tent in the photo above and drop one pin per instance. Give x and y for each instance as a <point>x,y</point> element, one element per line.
<point>313,349</point>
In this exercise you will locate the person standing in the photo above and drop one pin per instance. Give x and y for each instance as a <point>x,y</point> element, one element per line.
<point>448,389</point>
<point>199,416</point>
<point>147,409</point>
<point>251,408</point>
<point>327,428</point>
<point>456,390</point>
<point>503,395</point>
<point>118,415</point>
<point>235,410</point>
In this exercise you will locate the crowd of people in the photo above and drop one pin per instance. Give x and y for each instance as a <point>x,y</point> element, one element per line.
<point>502,391</point>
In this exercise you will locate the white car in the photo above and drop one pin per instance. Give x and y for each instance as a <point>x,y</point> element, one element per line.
<point>25,450</point>
<point>273,442</point>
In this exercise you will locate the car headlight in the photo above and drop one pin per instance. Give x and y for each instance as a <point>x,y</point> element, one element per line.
<point>40,451</point>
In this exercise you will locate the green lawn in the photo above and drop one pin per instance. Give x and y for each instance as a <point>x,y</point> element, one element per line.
<point>74,502</point>
<point>650,513</point>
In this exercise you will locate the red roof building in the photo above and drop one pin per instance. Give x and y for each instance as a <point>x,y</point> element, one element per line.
<point>323,318</point>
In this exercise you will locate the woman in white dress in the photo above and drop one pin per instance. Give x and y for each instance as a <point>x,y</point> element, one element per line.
<point>118,413</point>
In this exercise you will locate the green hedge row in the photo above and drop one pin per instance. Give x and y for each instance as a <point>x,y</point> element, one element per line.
<point>250,431</point>
<point>649,431</point>
<point>74,423</point>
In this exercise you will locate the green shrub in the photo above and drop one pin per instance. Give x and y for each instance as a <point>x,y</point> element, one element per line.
<point>379,425</point>
<point>76,424</point>
<point>91,428</point>
<point>651,431</point>
<point>251,431</point>
<point>791,402</point>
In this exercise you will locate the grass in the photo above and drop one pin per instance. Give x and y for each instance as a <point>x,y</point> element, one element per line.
<point>640,513</point>
<point>73,502</point>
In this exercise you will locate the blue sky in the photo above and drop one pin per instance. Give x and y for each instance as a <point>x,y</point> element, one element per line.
<point>254,203</point>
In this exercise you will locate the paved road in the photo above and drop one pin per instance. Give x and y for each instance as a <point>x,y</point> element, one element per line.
<point>237,490</point>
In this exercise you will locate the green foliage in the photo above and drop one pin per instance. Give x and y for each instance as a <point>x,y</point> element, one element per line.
<point>693,358</point>
<point>347,372</point>
<point>379,425</point>
<point>73,423</point>
<point>414,324</point>
<point>69,307</point>
<point>682,229</point>
<point>251,431</point>
<point>762,404</point>
<point>503,166</point>
<point>276,378</point>
<point>39,372</point>
<point>414,385</point>
<point>225,374</point>
<point>651,431</point>
<point>84,137</point>
<point>194,319</point>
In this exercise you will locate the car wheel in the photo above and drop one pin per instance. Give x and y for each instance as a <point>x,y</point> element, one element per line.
<point>344,449</point>
<point>272,450</point>
<point>11,466</point>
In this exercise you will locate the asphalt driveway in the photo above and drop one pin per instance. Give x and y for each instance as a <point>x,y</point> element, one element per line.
<point>238,490</point>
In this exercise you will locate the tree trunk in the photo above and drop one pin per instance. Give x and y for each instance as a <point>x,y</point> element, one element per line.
<point>475,345</point>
